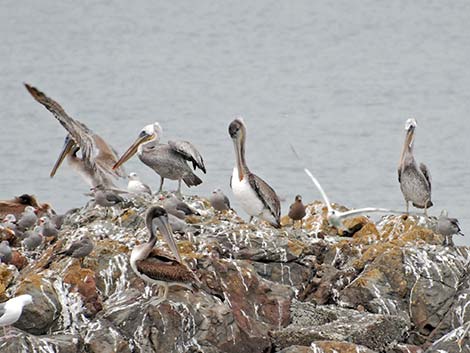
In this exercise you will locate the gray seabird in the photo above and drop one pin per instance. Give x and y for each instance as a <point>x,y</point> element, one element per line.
<point>105,197</point>
<point>33,239</point>
<point>136,186</point>
<point>257,198</point>
<point>5,252</point>
<point>219,200</point>
<point>10,311</point>
<point>448,226</point>
<point>157,267</point>
<point>28,218</point>
<point>97,157</point>
<point>167,160</point>
<point>415,182</point>
<point>177,207</point>
<point>79,249</point>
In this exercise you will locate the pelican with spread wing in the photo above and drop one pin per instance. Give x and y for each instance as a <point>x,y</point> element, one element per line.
<point>335,217</point>
<point>167,160</point>
<point>97,158</point>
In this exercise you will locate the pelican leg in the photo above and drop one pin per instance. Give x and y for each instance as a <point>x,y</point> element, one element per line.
<point>178,192</point>
<point>407,207</point>
<point>426,209</point>
<point>162,179</point>
<point>161,298</point>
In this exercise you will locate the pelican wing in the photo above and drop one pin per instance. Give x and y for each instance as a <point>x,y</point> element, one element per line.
<point>322,192</point>
<point>81,134</point>
<point>189,152</point>
<point>162,268</point>
<point>267,194</point>
<point>359,211</point>
<point>426,173</point>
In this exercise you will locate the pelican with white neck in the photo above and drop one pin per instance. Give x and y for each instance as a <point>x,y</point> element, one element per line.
<point>257,198</point>
<point>167,160</point>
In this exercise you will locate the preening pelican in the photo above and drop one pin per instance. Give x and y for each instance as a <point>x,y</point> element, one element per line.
<point>257,198</point>
<point>97,157</point>
<point>415,182</point>
<point>167,160</point>
<point>157,267</point>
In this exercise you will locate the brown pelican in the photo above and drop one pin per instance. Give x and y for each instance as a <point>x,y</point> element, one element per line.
<point>257,198</point>
<point>97,157</point>
<point>415,182</point>
<point>156,267</point>
<point>167,160</point>
<point>17,205</point>
<point>297,210</point>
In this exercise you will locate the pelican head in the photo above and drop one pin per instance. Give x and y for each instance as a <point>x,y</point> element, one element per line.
<point>69,147</point>
<point>151,132</point>
<point>157,216</point>
<point>237,129</point>
<point>410,124</point>
<point>410,127</point>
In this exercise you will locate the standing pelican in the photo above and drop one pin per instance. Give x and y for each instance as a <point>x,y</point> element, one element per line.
<point>415,182</point>
<point>257,198</point>
<point>156,267</point>
<point>97,157</point>
<point>167,160</point>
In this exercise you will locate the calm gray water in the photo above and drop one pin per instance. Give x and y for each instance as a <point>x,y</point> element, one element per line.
<point>337,80</point>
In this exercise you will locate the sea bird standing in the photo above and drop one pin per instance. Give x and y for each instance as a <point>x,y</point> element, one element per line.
<point>97,157</point>
<point>157,267</point>
<point>167,160</point>
<point>415,182</point>
<point>297,210</point>
<point>257,198</point>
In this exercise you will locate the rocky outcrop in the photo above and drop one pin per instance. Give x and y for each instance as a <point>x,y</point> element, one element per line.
<point>392,286</point>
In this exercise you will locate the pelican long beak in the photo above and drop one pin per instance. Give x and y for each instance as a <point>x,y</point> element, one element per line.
<point>65,151</point>
<point>132,150</point>
<point>410,133</point>
<point>167,234</point>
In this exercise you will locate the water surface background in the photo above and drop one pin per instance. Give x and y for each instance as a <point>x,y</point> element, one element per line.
<point>338,80</point>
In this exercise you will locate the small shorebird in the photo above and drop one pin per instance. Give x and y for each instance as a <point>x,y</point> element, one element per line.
<point>297,210</point>
<point>155,266</point>
<point>257,198</point>
<point>219,200</point>
<point>10,311</point>
<point>97,157</point>
<point>167,160</point>
<point>136,186</point>
<point>415,182</point>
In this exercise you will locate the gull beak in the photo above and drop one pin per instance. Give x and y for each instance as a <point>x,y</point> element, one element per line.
<point>167,234</point>
<point>65,151</point>
<point>132,150</point>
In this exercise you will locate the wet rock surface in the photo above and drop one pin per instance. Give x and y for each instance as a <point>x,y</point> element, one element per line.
<point>392,286</point>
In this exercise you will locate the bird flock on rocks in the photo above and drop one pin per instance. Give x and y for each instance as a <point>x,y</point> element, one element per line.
<point>29,225</point>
